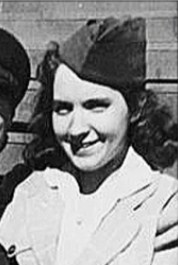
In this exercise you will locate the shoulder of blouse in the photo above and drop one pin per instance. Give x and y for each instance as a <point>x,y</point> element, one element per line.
<point>168,219</point>
<point>35,183</point>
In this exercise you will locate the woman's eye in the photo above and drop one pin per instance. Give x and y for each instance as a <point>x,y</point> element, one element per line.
<point>62,109</point>
<point>97,105</point>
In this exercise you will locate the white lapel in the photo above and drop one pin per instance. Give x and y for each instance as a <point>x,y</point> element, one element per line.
<point>44,215</point>
<point>115,233</point>
<point>121,226</point>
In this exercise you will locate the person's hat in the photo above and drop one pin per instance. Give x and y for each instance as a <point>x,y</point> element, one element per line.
<point>111,52</point>
<point>14,73</point>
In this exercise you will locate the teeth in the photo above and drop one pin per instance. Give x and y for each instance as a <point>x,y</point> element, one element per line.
<point>76,147</point>
<point>85,145</point>
<point>88,144</point>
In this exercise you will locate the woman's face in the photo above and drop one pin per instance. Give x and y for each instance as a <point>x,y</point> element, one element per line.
<point>90,121</point>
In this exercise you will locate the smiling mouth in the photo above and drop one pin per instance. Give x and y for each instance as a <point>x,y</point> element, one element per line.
<point>82,146</point>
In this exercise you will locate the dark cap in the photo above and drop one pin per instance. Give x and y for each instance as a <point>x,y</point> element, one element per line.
<point>110,52</point>
<point>14,71</point>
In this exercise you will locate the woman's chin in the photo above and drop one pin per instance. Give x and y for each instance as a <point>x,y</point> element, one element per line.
<point>87,166</point>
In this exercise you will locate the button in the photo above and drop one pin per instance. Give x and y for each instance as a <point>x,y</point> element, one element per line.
<point>79,222</point>
<point>54,187</point>
<point>11,251</point>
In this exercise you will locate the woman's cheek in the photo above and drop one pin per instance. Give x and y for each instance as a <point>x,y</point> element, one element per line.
<point>60,124</point>
<point>105,122</point>
<point>112,123</point>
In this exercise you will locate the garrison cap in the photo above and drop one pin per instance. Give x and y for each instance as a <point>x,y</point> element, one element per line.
<point>109,52</point>
<point>14,72</point>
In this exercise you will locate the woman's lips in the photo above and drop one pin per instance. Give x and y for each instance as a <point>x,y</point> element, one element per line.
<point>83,148</point>
<point>85,145</point>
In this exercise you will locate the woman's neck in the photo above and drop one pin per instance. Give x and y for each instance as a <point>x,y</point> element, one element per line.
<point>90,181</point>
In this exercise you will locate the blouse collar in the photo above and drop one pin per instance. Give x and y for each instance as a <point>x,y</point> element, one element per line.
<point>133,175</point>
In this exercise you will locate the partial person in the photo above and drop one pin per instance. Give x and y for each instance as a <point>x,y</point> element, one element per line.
<point>14,80</point>
<point>98,195</point>
<point>49,62</point>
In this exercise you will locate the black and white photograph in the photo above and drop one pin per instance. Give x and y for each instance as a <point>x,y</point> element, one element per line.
<point>88,132</point>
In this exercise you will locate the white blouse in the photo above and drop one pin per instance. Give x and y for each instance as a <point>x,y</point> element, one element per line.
<point>49,221</point>
<point>83,213</point>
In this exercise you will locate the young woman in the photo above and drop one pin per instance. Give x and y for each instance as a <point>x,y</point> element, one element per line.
<point>97,196</point>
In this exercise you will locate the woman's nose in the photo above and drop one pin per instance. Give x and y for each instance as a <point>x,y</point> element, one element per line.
<point>79,124</point>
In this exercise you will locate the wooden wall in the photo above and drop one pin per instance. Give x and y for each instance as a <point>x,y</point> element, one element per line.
<point>36,23</point>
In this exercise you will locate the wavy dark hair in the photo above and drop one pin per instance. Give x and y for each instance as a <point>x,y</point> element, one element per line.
<point>152,131</point>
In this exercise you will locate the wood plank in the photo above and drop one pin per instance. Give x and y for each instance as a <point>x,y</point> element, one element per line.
<point>22,16</point>
<point>20,6</point>
<point>10,156</point>
<point>20,138</point>
<point>162,29</point>
<point>162,64</point>
<point>163,88</point>
<point>83,9</point>
<point>26,107</point>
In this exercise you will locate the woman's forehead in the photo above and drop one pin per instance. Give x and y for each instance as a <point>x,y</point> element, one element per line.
<point>68,84</point>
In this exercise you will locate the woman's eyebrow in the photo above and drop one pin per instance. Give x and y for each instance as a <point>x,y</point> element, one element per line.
<point>62,104</point>
<point>86,102</point>
<point>97,100</point>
